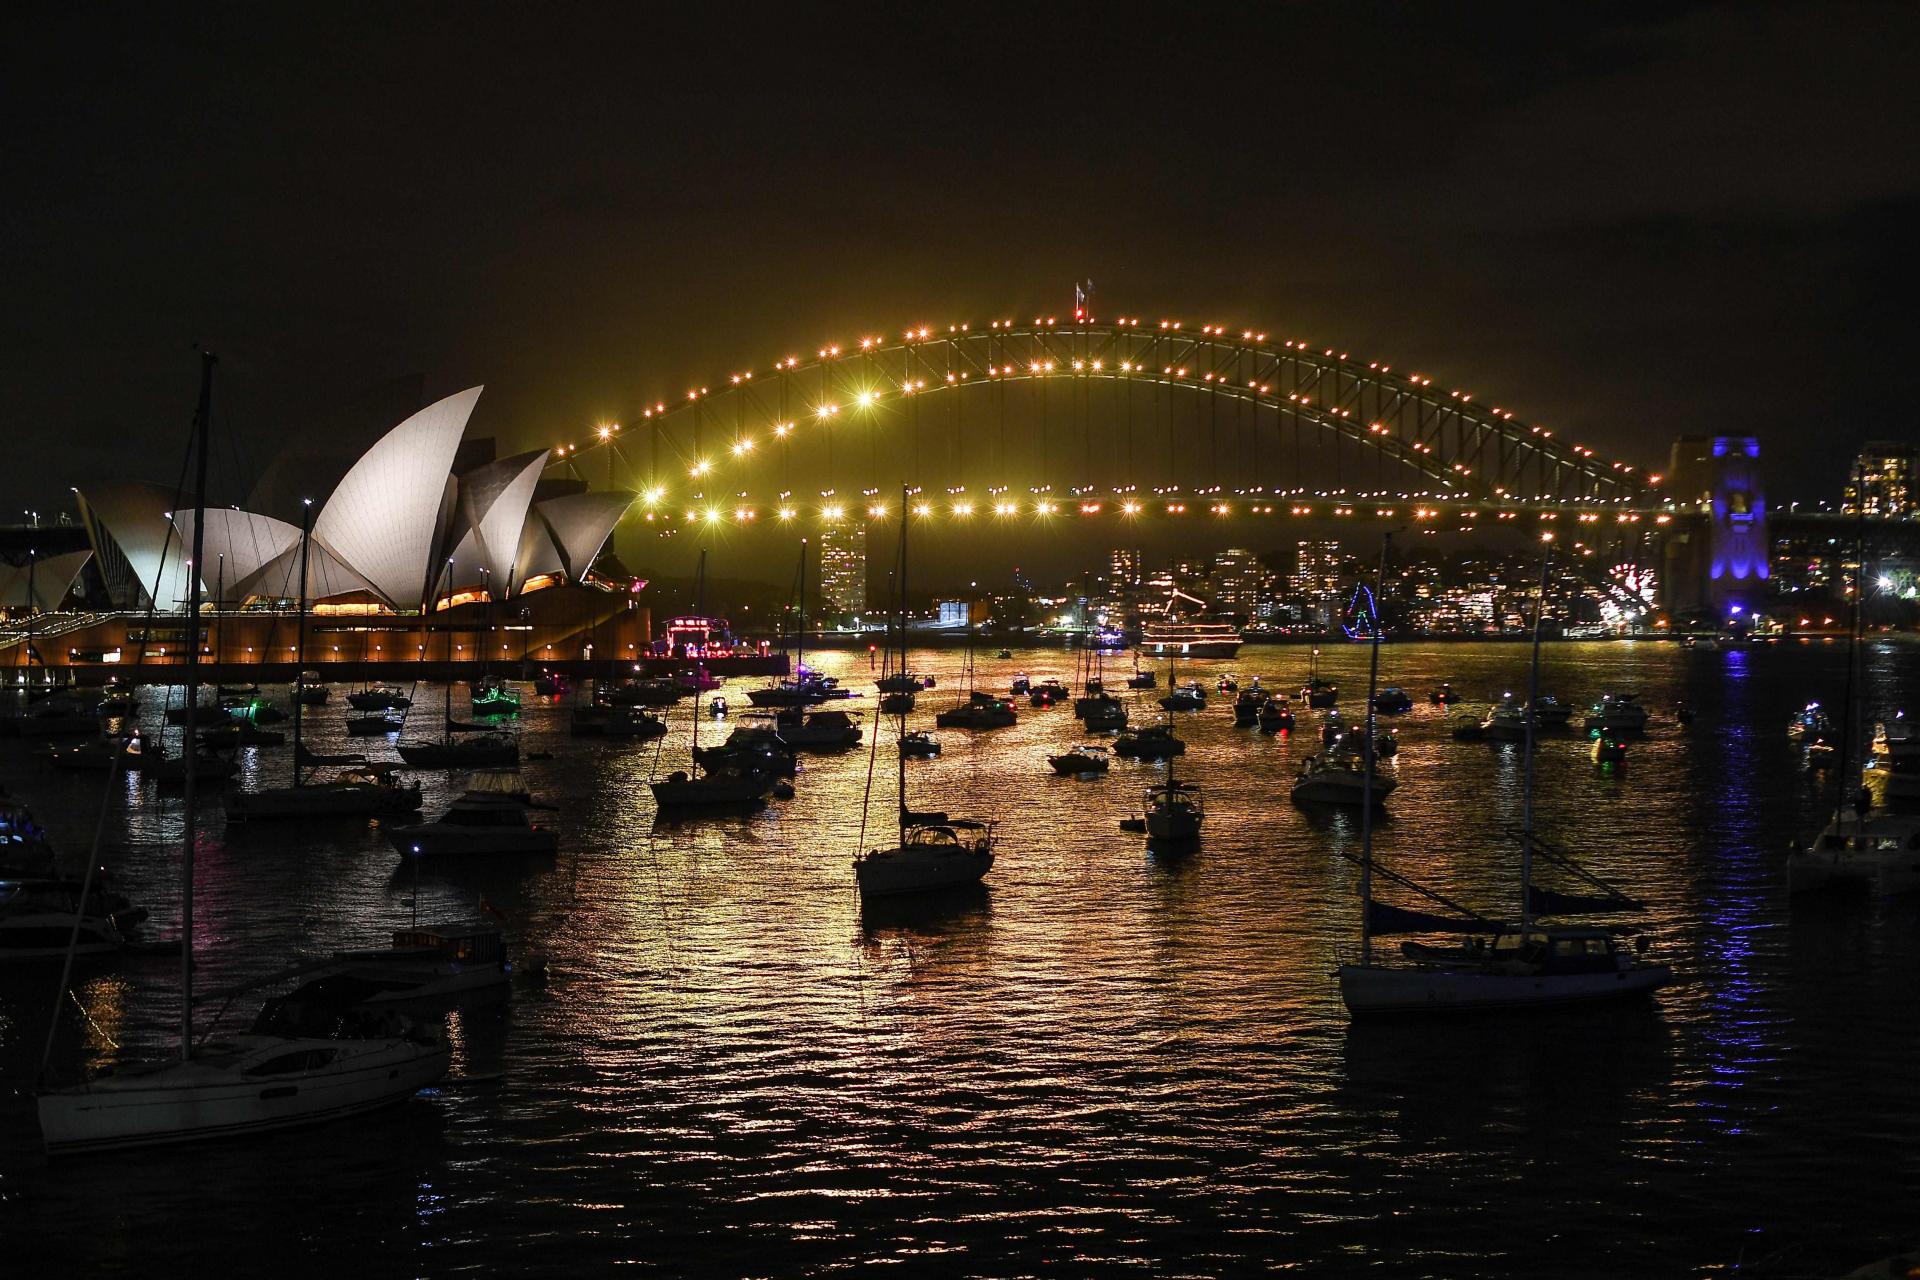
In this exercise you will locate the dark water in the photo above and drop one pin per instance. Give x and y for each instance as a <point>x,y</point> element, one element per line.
<point>1109,1063</point>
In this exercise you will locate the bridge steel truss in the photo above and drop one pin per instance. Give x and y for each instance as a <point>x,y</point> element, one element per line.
<point>1461,451</point>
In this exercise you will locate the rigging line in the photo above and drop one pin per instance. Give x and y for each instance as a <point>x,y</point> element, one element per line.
<point>80,906</point>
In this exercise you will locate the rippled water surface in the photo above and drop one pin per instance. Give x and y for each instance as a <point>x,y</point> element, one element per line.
<point>1109,1062</point>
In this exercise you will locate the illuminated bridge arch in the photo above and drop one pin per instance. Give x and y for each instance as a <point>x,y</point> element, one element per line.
<point>1388,433</point>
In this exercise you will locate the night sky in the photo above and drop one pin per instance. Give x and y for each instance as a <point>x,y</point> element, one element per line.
<point>1625,222</point>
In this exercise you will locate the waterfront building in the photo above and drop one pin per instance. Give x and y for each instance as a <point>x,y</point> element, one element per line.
<point>1237,576</point>
<point>1882,481</point>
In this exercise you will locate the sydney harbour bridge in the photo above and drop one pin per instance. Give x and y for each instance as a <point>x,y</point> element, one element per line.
<point>1133,419</point>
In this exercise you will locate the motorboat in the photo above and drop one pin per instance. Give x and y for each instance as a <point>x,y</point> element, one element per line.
<point>39,916</point>
<point>551,684</point>
<point>931,856</point>
<point>1340,778</point>
<point>1174,811</point>
<point>1020,686</point>
<point>1047,693</point>
<point>423,973</point>
<point>1811,724</point>
<point>310,689</point>
<point>1551,713</point>
<point>717,708</point>
<point>481,823</point>
<point>1188,697</point>
<point>379,697</point>
<point>639,693</point>
<point>101,755</point>
<point>900,682</point>
<point>1150,742</point>
<point>303,1062</point>
<point>1508,721</point>
<point>1105,714</point>
<point>1099,704</point>
<point>615,721</point>
<point>1392,701</point>
<point>817,730</point>
<point>238,733</point>
<point>736,784</point>
<point>1862,846</point>
<point>979,711</point>
<point>1607,748</point>
<point>1276,715</point>
<point>1004,654</point>
<point>375,724</point>
<point>918,744</point>
<point>809,690</point>
<point>363,791</point>
<point>897,703</point>
<point>1895,742</point>
<point>1320,692</point>
<point>491,697</point>
<point>1227,684</point>
<point>697,680</point>
<point>1333,728</point>
<point>1617,713</point>
<point>1142,679</point>
<point>1247,706</point>
<point>1468,725</point>
<point>25,850</point>
<point>755,743</point>
<point>1080,761</point>
<point>472,751</point>
<point>1444,696</point>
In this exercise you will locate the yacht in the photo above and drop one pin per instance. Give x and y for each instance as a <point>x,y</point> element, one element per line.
<point>734,784</point>
<point>473,751</point>
<point>1863,846</point>
<point>488,821</point>
<point>1080,761</point>
<point>1443,696</point>
<point>817,730</point>
<point>39,916</point>
<point>424,973</point>
<point>1020,687</point>
<point>1508,722</point>
<point>1151,742</point>
<point>1047,693</point>
<point>489,696</point>
<point>1340,778</point>
<point>1142,679</point>
<point>613,720</point>
<point>755,745</point>
<point>310,689</point>
<point>1392,701</point>
<point>919,745</point>
<point>979,711</point>
<point>1188,697</point>
<point>207,769</point>
<point>1895,742</point>
<point>1247,706</point>
<point>1549,712</point>
<point>1617,713</point>
<point>1104,714</point>
<point>379,697</point>
<point>362,791</point>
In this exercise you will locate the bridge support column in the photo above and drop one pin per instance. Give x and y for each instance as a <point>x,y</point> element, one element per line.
<point>1717,560</point>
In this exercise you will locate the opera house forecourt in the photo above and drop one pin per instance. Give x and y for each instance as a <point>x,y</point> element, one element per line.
<point>425,548</point>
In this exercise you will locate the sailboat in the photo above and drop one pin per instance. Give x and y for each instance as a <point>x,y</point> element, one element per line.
<point>1318,691</point>
<point>735,781</point>
<point>1174,811</point>
<point>1497,967</point>
<point>489,695</point>
<point>1345,774</point>
<point>934,852</point>
<point>359,792</point>
<point>304,1061</point>
<point>479,749</point>
<point>1190,698</point>
<point>979,710</point>
<point>801,689</point>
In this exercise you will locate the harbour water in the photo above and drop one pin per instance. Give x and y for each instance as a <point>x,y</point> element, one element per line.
<point>1108,1063</point>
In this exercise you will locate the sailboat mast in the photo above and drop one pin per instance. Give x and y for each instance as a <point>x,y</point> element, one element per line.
<point>300,631</point>
<point>1526,785</point>
<point>800,641</point>
<point>189,748</point>
<point>1366,776</point>
<point>900,734</point>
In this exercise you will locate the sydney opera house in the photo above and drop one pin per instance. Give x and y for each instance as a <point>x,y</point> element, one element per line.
<point>419,542</point>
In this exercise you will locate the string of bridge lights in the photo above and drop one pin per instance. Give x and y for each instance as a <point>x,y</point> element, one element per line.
<point>657,507</point>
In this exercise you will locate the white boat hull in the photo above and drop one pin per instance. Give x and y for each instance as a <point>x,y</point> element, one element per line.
<point>1386,989</point>
<point>195,1101</point>
<point>1336,787</point>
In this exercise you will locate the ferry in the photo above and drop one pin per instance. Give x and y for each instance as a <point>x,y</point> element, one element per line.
<point>1190,639</point>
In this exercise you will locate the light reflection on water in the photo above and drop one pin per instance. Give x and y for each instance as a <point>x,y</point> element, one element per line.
<point>1109,1061</point>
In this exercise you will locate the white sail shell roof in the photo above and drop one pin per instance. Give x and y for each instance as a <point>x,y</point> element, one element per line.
<point>384,518</point>
<point>235,547</point>
<point>492,509</point>
<point>134,515</point>
<point>581,523</point>
<point>49,579</point>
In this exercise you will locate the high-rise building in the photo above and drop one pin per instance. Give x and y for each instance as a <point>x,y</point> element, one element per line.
<point>1126,568</point>
<point>843,566</point>
<point>1316,569</point>
<point>1882,481</point>
<point>1236,576</point>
